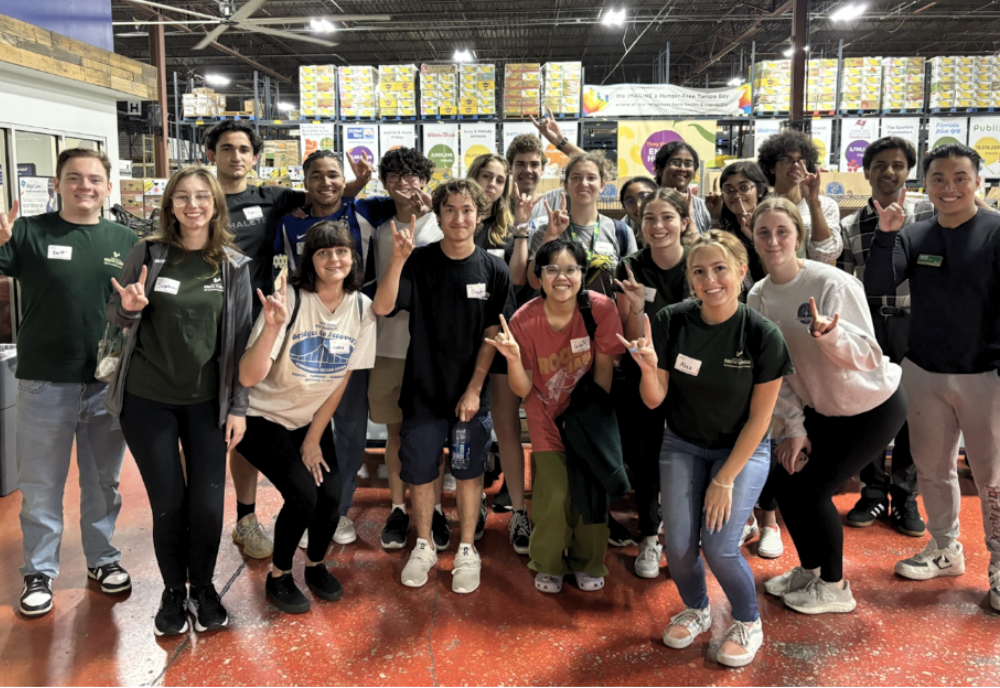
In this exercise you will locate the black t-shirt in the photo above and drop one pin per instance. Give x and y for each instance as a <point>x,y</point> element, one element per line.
<point>451,303</point>
<point>663,287</point>
<point>483,240</point>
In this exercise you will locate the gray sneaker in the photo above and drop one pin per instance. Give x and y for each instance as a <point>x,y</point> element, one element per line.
<point>790,581</point>
<point>933,562</point>
<point>696,621</point>
<point>820,597</point>
<point>647,564</point>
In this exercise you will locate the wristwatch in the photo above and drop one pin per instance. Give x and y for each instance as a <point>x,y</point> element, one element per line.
<point>521,231</point>
<point>559,146</point>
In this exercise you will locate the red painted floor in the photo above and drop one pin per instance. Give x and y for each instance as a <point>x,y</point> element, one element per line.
<point>903,633</point>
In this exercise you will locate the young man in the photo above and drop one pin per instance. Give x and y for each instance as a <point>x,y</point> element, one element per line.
<point>455,293</point>
<point>527,160</point>
<point>952,367</point>
<point>64,262</point>
<point>887,163</point>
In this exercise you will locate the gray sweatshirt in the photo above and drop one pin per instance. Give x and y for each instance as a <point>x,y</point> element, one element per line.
<point>842,373</point>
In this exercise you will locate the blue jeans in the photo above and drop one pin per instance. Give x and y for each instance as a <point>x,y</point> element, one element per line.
<point>350,433</point>
<point>50,416</point>
<point>686,470</point>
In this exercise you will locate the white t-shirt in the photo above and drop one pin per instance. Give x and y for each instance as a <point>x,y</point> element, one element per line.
<point>310,361</point>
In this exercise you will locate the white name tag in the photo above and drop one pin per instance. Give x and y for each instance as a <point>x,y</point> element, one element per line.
<point>475,291</point>
<point>338,347</point>
<point>498,252</point>
<point>253,212</point>
<point>167,285</point>
<point>650,295</point>
<point>580,345</point>
<point>60,252</point>
<point>300,247</point>
<point>688,365</point>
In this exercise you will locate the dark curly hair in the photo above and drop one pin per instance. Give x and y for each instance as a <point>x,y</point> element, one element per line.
<point>239,125</point>
<point>667,152</point>
<point>404,161</point>
<point>464,187</point>
<point>327,234</point>
<point>783,143</point>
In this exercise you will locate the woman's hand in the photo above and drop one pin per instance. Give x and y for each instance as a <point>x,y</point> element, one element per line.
<point>821,324</point>
<point>714,202</point>
<point>134,295</point>
<point>312,457</point>
<point>505,343</point>
<point>633,291</point>
<point>745,216</point>
<point>558,220</point>
<point>810,188</point>
<point>275,306</point>
<point>718,507</point>
<point>642,349</point>
<point>235,427</point>
<point>790,448</point>
<point>523,205</point>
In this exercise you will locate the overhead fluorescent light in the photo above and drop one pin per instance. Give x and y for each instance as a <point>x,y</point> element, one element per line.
<point>216,80</point>
<point>735,81</point>
<point>613,17</point>
<point>462,56</point>
<point>285,107</point>
<point>790,50</point>
<point>321,26</point>
<point>848,12</point>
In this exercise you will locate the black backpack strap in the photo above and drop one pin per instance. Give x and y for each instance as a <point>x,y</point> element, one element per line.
<point>583,301</point>
<point>295,308</point>
<point>361,306</point>
<point>621,234</point>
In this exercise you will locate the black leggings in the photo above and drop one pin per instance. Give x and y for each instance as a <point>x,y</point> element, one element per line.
<point>840,447</point>
<point>641,430</point>
<point>274,451</point>
<point>187,515</point>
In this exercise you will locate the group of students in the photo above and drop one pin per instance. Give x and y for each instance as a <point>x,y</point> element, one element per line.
<point>725,364</point>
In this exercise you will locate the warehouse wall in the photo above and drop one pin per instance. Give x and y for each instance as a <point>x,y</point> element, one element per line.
<point>85,20</point>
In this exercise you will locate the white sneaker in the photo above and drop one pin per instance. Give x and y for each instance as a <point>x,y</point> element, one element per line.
<point>770,546</point>
<point>345,533</point>
<point>422,559</point>
<point>790,581</point>
<point>820,597</point>
<point>749,636</point>
<point>696,621</point>
<point>647,564</point>
<point>933,563</point>
<point>363,473</point>
<point>994,573</point>
<point>468,566</point>
<point>382,472</point>
<point>449,484</point>
<point>750,531</point>
<point>304,540</point>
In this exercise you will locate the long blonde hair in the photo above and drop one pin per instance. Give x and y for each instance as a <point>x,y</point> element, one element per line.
<point>219,236</point>
<point>503,216</point>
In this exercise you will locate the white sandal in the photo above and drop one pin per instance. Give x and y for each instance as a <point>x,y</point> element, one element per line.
<point>588,583</point>
<point>546,583</point>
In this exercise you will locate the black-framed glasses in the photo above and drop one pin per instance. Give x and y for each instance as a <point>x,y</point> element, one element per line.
<point>397,178</point>
<point>681,163</point>
<point>631,202</point>
<point>744,188</point>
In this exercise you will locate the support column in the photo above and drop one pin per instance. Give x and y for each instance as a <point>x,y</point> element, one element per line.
<point>161,127</point>
<point>800,39</point>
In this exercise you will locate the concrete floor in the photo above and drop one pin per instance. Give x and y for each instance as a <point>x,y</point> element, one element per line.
<point>902,633</point>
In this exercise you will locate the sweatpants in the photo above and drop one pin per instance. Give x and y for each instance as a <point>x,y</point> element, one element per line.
<point>943,407</point>
<point>641,431</point>
<point>274,451</point>
<point>187,515</point>
<point>841,445</point>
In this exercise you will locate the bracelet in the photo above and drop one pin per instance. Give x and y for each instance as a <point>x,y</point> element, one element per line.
<point>724,487</point>
<point>638,312</point>
<point>522,236</point>
<point>559,146</point>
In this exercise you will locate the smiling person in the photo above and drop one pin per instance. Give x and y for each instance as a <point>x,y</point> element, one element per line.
<point>455,293</point>
<point>742,186</point>
<point>186,302</point>
<point>633,193</point>
<point>715,366</point>
<point>842,404</point>
<point>952,367</point>
<point>886,163</point>
<point>675,166</point>
<point>63,262</point>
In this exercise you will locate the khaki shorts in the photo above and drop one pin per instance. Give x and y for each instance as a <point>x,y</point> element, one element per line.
<point>384,383</point>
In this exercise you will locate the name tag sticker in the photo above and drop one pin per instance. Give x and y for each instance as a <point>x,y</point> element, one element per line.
<point>688,365</point>
<point>338,347</point>
<point>498,252</point>
<point>253,212</point>
<point>476,291</point>
<point>300,247</point>
<point>580,345</point>
<point>60,252</point>
<point>929,260</point>
<point>167,285</point>
<point>650,295</point>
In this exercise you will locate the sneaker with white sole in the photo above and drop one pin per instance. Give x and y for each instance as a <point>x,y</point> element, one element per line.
<point>520,531</point>
<point>696,621</point>
<point>112,578</point>
<point>749,636</point>
<point>422,559</point>
<point>933,562</point>
<point>770,545</point>
<point>206,607</point>
<point>36,597</point>
<point>647,564</point>
<point>396,530</point>
<point>345,533</point>
<point>249,535</point>
<point>171,617</point>
<point>994,574</point>
<point>820,597</point>
<point>449,484</point>
<point>304,540</point>
<point>467,570</point>
<point>790,581</point>
<point>750,531</point>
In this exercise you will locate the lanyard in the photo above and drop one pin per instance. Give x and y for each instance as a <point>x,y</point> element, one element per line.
<point>593,239</point>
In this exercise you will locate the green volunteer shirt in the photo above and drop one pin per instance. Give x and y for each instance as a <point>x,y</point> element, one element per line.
<point>175,359</point>
<point>663,287</point>
<point>64,271</point>
<point>713,369</point>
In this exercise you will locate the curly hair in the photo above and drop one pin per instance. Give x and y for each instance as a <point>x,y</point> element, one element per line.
<point>403,161</point>
<point>783,143</point>
<point>238,125</point>
<point>462,187</point>
<point>526,143</point>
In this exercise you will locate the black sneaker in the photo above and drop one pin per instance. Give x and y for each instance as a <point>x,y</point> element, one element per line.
<point>323,584</point>
<point>396,528</point>
<point>206,608</point>
<point>440,532</point>
<point>112,577</point>
<point>619,535</point>
<point>867,510</point>
<point>285,595</point>
<point>905,516</point>
<point>520,531</point>
<point>36,598</point>
<point>481,522</point>
<point>501,502</point>
<point>171,619</point>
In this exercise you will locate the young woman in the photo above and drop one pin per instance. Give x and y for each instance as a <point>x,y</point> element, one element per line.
<point>676,165</point>
<point>716,366</point>
<point>789,161</point>
<point>499,235</point>
<point>187,304</point>
<point>548,351</point>
<point>633,193</point>
<point>743,186</point>
<point>297,371</point>
<point>649,281</point>
<point>842,405</point>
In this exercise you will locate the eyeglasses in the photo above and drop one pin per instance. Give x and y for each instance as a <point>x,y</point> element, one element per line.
<point>681,163</point>
<point>554,271</point>
<point>397,178</point>
<point>744,188</point>
<point>789,160</point>
<point>201,200</point>
<point>639,198</point>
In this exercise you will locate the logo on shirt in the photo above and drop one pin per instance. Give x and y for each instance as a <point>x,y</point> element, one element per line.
<point>214,285</point>
<point>804,315</point>
<point>737,363</point>
<point>322,351</point>
<point>115,260</point>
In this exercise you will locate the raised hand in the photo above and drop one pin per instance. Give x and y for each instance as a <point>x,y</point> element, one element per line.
<point>714,201</point>
<point>745,218</point>
<point>7,222</point>
<point>633,291</point>
<point>402,240</point>
<point>361,168</point>
<point>642,349</point>
<point>821,324</point>
<point>891,219</point>
<point>275,306</point>
<point>505,343</point>
<point>810,186</point>
<point>134,295</point>
<point>558,220</point>
<point>547,127</point>
<point>523,205</point>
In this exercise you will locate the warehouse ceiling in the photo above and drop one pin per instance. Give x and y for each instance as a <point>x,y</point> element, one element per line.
<point>708,40</point>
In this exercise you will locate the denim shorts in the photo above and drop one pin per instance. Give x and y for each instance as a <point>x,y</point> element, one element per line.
<point>421,440</point>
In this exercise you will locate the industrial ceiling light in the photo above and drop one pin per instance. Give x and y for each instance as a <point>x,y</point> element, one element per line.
<point>321,26</point>
<point>848,12</point>
<point>790,50</point>
<point>216,80</point>
<point>285,107</point>
<point>462,56</point>
<point>613,17</point>
<point>736,81</point>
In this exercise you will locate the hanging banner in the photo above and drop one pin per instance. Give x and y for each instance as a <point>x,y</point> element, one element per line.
<point>906,128</point>
<point>476,138</point>
<point>441,147</point>
<point>393,136</point>
<point>316,137</point>
<point>763,129</point>
<point>37,195</point>
<point>984,137</point>
<point>821,131</point>
<point>664,100</point>
<point>942,130</point>
<point>855,135</point>
<point>361,141</point>
<point>638,143</point>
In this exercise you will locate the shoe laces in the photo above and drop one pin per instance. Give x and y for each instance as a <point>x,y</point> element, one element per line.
<point>739,633</point>
<point>689,618</point>
<point>520,525</point>
<point>467,559</point>
<point>36,582</point>
<point>909,509</point>
<point>253,534</point>
<point>649,553</point>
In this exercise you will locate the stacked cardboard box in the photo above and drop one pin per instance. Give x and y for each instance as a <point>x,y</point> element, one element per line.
<point>318,91</point>
<point>281,153</point>
<point>132,196</point>
<point>772,86</point>
<point>438,90</point>
<point>563,84</point>
<point>987,72</point>
<point>397,90</point>
<point>477,86</point>
<point>152,195</point>
<point>903,83</point>
<point>357,92</point>
<point>821,85</point>
<point>203,102</point>
<point>861,83</point>
<point>965,82</point>
<point>522,89</point>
